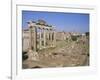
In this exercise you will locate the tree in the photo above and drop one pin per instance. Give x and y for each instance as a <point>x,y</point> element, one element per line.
<point>87,33</point>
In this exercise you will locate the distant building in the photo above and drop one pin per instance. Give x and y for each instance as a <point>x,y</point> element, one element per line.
<point>63,35</point>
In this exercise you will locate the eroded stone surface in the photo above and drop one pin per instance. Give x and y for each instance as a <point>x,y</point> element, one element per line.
<point>33,55</point>
<point>70,55</point>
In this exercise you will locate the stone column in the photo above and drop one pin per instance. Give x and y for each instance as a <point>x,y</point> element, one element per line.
<point>40,40</point>
<point>35,39</point>
<point>32,54</point>
<point>30,38</point>
<point>35,54</point>
<point>51,38</point>
<point>44,37</point>
<point>54,38</point>
<point>47,34</point>
<point>22,43</point>
<point>47,37</point>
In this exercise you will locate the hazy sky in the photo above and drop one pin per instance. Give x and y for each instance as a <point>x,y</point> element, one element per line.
<point>70,22</point>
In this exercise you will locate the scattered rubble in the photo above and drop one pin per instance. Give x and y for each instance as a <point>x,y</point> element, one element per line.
<point>73,53</point>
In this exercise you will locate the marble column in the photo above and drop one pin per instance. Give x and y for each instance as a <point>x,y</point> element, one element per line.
<point>51,38</point>
<point>32,53</point>
<point>54,41</point>
<point>30,38</point>
<point>40,39</point>
<point>35,39</point>
<point>47,34</point>
<point>47,37</point>
<point>44,38</point>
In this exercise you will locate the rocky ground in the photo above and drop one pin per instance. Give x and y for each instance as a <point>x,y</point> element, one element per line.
<point>65,54</point>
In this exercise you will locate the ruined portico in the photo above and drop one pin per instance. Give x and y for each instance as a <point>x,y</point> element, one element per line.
<point>41,36</point>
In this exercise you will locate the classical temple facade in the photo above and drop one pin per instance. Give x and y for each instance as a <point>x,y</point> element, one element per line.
<point>39,35</point>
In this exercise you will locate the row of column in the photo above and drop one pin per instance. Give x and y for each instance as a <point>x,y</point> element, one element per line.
<point>49,36</point>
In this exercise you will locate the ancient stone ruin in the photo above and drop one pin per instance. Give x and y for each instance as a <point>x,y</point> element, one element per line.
<point>44,47</point>
<point>46,38</point>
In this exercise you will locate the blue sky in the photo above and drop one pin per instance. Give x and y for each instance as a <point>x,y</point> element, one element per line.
<point>69,22</point>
